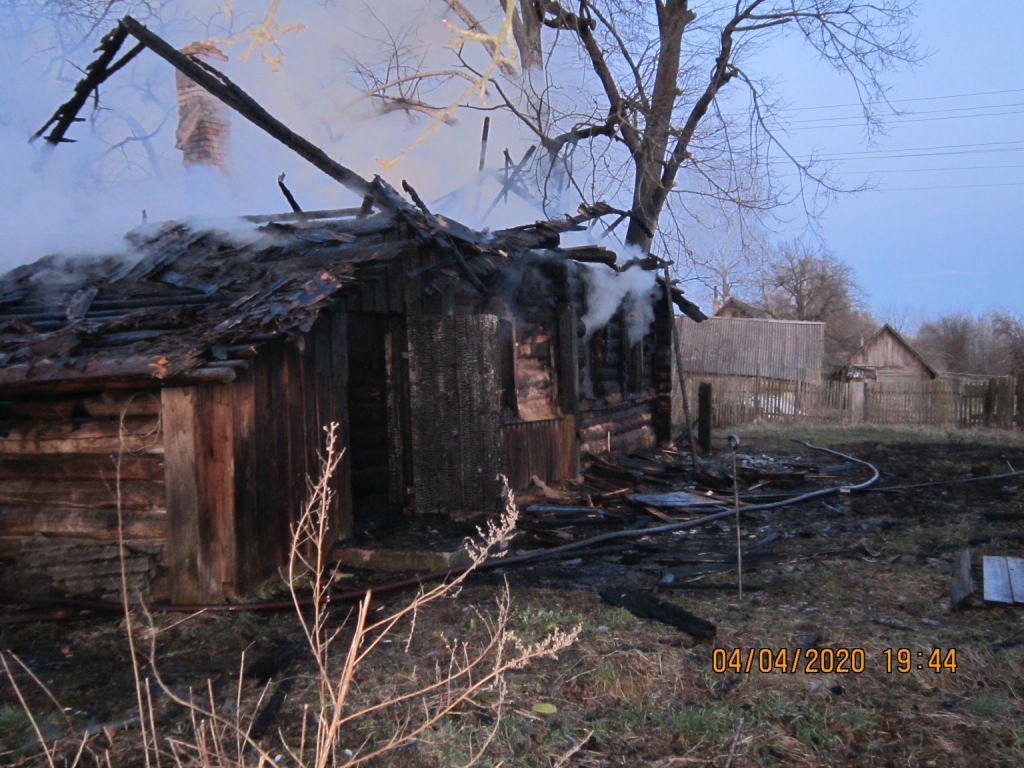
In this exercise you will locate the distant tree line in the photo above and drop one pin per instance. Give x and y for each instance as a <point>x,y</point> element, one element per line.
<point>991,343</point>
<point>804,281</point>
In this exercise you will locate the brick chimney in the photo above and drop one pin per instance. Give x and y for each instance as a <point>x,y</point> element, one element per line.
<point>203,120</point>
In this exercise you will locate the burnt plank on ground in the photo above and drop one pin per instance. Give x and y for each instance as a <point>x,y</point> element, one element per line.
<point>647,606</point>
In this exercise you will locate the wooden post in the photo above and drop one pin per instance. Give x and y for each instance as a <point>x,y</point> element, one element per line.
<point>678,354</point>
<point>1018,388</point>
<point>199,466</point>
<point>483,144</point>
<point>757,393</point>
<point>704,416</point>
<point>858,399</point>
<point>989,403</point>
<point>963,586</point>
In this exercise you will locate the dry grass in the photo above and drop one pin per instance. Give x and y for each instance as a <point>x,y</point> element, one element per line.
<point>341,721</point>
<point>632,692</point>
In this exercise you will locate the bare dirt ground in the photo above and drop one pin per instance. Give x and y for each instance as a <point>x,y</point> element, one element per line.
<point>856,581</point>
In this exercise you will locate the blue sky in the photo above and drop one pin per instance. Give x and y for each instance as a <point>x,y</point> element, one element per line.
<point>943,231</point>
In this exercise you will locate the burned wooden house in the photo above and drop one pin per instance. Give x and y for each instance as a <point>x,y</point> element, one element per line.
<point>181,388</point>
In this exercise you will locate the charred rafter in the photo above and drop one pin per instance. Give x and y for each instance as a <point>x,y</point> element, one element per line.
<point>211,79</point>
<point>95,74</point>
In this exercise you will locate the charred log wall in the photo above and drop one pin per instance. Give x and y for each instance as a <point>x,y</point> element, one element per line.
<point>618,428</point>
<point>535,383</point>
<point>623,381</point>
<point>65,461</point>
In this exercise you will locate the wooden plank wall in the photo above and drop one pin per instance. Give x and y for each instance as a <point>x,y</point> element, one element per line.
<point>733,346</point>
<point>892,360</point>
<point>59,457</point>
<point>545,448</point>
<point>455,364</point>
<point>201,547</point>
<point>240,457</point>
<point>281,406</point>
<point>943,402</point>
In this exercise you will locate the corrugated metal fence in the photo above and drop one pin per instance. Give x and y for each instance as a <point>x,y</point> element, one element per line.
<point>944,402</point>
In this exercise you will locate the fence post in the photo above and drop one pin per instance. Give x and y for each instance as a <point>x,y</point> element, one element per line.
<point>1004,403</point>
<point>704,416</point>
<point>757,394</point>
<point>858,396</point>
<point>988,405</point>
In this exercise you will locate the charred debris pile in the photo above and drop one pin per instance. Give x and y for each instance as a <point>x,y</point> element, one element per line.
<point>654,520</point>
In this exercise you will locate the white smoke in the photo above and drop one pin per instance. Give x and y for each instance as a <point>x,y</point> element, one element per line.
<point>83,197</point>
<point>633,291</point>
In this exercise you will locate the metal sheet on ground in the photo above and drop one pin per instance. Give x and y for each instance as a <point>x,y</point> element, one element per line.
<point>674,500</point>
<point>997,580</point>
<point>1015,568</point>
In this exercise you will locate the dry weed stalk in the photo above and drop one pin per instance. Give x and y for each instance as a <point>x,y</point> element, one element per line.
<point>469,671</point>
<point>218,740</point>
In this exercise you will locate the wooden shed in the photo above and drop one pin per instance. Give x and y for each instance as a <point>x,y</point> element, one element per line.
<point>737,346</point>
<point>194,372</point>
<point>886,356</point>
<point>754,365</point>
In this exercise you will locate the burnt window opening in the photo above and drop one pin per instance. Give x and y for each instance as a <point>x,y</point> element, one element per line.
<point>598,353</point>
<point>633,377</point>
<point>507,369</point>
<point>536,386</point>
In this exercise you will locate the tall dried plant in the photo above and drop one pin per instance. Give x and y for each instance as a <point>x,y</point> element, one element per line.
<point>218,736</point>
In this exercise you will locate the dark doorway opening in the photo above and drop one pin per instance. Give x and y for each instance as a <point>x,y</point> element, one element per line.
<point>375,438</point>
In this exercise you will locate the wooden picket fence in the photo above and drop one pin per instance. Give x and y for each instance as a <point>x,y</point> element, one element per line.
<point>944,402</point>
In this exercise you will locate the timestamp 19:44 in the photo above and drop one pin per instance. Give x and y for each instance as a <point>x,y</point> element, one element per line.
<point>903,660</point>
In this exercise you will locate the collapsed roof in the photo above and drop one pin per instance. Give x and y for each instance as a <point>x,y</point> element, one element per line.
<point>192,300</point>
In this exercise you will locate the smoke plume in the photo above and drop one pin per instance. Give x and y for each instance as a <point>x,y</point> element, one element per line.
<point>608,291</point>
<point>123,168</point>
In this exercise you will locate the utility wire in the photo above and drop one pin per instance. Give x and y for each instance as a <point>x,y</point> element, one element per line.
<point>952,186</point>
<point>902,101</point>
<point>899,116</point>
<point>901,121</point>
<point>937,169</point>
<point>875,152</point>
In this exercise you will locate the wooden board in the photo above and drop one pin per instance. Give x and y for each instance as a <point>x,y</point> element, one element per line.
<point>1015,568</point>
<point>97,524</point>
<point>456,418</point>
<point>1004,579</point>
<point>199,460</point>
<point>962,587</point>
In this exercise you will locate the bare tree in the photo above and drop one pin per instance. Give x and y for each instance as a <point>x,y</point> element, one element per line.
<point>127,116</point>
<point>962,343</point>
<point>61,28</point>
<point>663,98</point>
<point>985,343</point>
<point>726,254</point>
<point>802,282</point>
<point>1009,330</point>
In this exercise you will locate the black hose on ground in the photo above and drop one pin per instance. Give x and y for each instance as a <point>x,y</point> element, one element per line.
<point>495,562</point>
